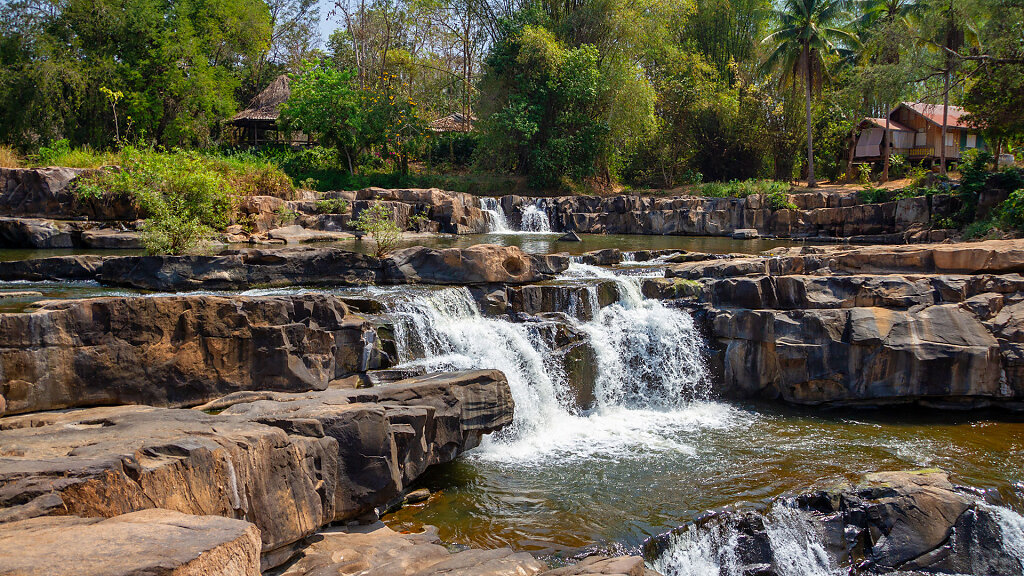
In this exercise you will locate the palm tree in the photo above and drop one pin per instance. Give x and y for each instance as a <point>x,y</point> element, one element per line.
<point>806,32</point>
<point>887,18</point>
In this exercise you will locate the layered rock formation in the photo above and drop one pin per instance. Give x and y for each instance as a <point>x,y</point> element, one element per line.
<point>889,523</point>
<point>935,324</point>
<point>178,350</point>
<point>817,215</point>
<point>288,463</point>
<point>307,266</point>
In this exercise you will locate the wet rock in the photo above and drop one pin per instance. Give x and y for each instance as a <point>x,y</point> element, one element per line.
<point>570,237</point>
<point>581,302</point>
<point>745,234</point>
<point>153,542</point>
<point>296,234</point>
<point>606,257</point>
<point>889,523</point>
<point>176,350</point>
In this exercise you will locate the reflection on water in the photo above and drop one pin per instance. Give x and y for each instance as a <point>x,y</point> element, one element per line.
<point>617,477</point>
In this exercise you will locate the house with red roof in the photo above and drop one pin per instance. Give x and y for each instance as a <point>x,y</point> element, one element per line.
<point>915,132</point>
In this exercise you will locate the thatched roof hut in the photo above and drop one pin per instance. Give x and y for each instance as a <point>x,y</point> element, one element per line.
<point>456,122</point>
<point>266,106</point>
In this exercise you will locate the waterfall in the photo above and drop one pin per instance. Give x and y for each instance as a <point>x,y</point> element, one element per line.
<point>496,220</point>
<point>648,369</point>
<point>535,219</point>
<point>1011,528</point>
<point>713,547</point>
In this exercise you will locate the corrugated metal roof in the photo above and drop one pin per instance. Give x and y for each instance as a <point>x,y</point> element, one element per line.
<point>893,125</point>
<point>456,122</point>
<point>933,112</point>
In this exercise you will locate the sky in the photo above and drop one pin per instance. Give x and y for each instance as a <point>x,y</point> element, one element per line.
<point>327,25</point>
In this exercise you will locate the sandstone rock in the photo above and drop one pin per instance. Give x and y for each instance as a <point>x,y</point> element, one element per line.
<point>745,234</point>
<point>581,302</point>
<point>34,233</point>
<point>479,264</point>
<point>55,268</point>
<point>260,213</point>
<point>107,239</point>
<point>296,234</point>
<point>890,523</point>
<point>104,462</point>
<point>570,237</point>
<point>176,350</point>
<point>376,549</point>
<point>240,269</point>
<point>152,542</point>
<point>49,192</point>
<point>288,463</point>
<point>606,257</point>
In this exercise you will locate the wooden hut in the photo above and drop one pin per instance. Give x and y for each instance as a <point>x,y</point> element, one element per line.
<point>257,124</point>
<point>915,130</point>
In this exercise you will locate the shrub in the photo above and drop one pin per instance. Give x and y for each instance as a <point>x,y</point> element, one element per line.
<point>774,193</point>
<point>60,153</point>
<point>872,195</point>
<point>376,221</point>
<point>331,206</point>
<point>9,158</point>
<point>183,198</point>
<point>897,166</point>
<point>252,175</point>
<point>1011,211</point>
<point>979,229</point>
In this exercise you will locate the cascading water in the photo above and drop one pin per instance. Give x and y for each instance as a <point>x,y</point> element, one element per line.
<point>535,219</point>
<point>496,221</point>
<point>648,369</point>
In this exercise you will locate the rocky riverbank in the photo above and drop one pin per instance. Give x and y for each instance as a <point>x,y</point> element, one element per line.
<point>44,212</point>
<point>888,523</point>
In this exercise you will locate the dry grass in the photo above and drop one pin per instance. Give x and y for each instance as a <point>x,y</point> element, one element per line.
<point>9,158</point>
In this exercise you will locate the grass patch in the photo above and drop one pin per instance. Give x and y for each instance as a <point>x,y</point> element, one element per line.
<point>775,193</point>
<point>9,158</point>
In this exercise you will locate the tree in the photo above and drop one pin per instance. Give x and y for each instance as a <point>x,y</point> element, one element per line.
<point>806,32</point>
<point>326,102</point>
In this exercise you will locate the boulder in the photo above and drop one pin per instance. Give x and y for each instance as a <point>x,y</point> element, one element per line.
<point>50,193</point>
<point>570,237</point>
<point>152,542</point>
<point>177,350</point>
<point>111,239</point>
<point>84,267</point>
<point>104,462</point>
<point>35,233</point>
<point>606,257</point>
<point>288,463</point>
<point>889,523</point>
<point>479,264</point>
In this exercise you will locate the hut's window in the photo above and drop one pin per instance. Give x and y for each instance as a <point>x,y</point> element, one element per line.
<point>922,138</point>
<point>972,140</point>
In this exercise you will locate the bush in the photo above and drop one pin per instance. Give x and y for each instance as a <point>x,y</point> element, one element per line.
<point>980,229</point>
<point>872,195</point>
<point>376,221</point>
<point>183,197</point>
<point>9,158</point>
<point>774,193</point>
<point>251,175</point>
<point>60,153</point>
<point>331,206</point>
<point>1011,211</point>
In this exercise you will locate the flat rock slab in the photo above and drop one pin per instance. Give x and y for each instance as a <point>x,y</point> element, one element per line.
<point>376,549</point>
<point>147,543</point>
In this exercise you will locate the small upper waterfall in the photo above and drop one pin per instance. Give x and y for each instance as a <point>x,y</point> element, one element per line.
<point>535,219</point>
<point>496,220</point>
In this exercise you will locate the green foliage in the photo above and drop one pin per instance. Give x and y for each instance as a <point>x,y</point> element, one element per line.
<point>331,206</point>
<point>377,222</point>
<point>183,197</point>
<point>1011,211</point>
<point>980,229</point>
<point>775,194</point>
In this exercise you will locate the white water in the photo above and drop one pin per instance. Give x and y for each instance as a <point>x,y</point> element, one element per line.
<point>496,221</point>
<point>650,374</point>
<point>535,220</point>
<point>1011,527</point>
<point>712,549</point>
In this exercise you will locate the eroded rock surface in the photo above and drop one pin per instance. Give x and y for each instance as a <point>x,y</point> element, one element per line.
<point>889,523</point>
<point>149,542</point>
<point>288,463</point>
<point>178,350</point>
<point>935,324</point>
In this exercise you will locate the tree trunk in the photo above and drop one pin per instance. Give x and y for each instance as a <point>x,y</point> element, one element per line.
<point>851,154</point>
<point>886,149</point>
<point>945,116</point>
<point>811,183</point>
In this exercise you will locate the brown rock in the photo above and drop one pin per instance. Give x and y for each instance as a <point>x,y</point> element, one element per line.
<point>151,542</point>
<point>177,350</point>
